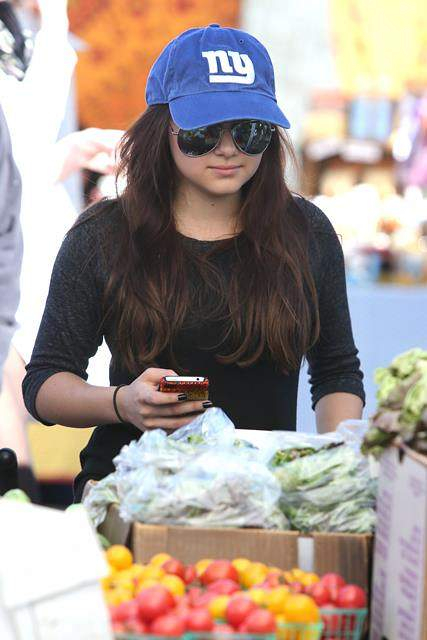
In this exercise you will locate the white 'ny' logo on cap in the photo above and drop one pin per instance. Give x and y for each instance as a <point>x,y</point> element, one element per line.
<point>239,70</point>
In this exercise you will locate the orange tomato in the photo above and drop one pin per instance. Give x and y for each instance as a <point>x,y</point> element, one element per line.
<point>276,599</point>
<point>301,608</point>
<point>119,557</point>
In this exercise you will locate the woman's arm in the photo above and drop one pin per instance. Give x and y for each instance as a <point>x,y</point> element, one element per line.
<point>334,368</point>
<point>66,399</point>
<point>336,407</point>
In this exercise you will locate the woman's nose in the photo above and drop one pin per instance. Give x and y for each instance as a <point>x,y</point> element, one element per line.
<point>226,146</point>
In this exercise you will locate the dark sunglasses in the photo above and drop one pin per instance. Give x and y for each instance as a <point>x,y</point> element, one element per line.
<point>250,136</point>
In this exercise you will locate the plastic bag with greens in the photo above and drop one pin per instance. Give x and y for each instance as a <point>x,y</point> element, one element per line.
<point>330,489</point>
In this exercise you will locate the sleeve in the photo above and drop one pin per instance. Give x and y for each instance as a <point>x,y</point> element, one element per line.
<point>10,240</point>
<point>70,330</point>
<point>333,362</point>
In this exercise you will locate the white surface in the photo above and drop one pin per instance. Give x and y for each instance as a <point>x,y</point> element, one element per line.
<point>50,567</point>
<point>400,549</point>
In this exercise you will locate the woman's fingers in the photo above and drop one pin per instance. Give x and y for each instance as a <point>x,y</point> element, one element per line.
<point>175,409</point>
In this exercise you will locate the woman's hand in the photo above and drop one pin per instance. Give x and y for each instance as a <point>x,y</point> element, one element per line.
<point>141,404</point>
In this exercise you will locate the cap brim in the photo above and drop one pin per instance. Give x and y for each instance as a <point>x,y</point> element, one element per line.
<point>203,109</point>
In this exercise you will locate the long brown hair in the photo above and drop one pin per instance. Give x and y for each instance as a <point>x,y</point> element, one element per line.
<point>268,305</point>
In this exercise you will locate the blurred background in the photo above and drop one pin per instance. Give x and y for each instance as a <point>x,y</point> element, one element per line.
<point>351,75</point>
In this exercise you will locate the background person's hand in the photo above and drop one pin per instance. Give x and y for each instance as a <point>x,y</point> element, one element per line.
<point>141,404</point>
<point>93,149</point>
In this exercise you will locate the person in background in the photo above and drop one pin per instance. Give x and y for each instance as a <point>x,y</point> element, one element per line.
<point>205,264</point>
<point>35,79</point>
<point>10,241</point>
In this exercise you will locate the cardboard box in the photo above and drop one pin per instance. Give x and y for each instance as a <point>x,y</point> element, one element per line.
<point>399,586</point>
<point>50,569</point>
<point>347,554</point>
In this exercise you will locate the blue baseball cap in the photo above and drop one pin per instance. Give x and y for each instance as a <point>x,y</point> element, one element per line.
<point>215,74</point>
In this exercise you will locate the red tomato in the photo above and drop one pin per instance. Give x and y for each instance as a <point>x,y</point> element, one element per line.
<point>224,587</point>
<point>331,618</point>
<point>119,627</point>
<point>272,580</point>
<point>154,602</point>
<point>296,587</point>
<point>204,599</point>
<point>319,592</point>
<point>168,625</point>
<point>334,582</point>
<point>174,568</point>
<point>135,625</point>
<point>124,611</point>
<point>199,620</point>
<point>223,628</point>
<point>190,574</point>
<point>238,609</point>
<point>260,621</point>
<point>193,594</point>
<point>217,570</point>
<point>351,597</point>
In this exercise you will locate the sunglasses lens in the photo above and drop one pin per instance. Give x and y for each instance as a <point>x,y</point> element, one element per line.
<point>252,136</point>
<point>197,142</point>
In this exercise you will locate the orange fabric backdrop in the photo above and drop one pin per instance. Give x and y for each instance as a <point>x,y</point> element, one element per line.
<point>124,37</point>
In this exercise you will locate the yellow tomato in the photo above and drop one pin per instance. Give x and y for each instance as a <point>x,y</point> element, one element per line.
<point>119,557</point>
<point>145,584</point>
<point>174,584</point>
<point>274,570</point>
<point>202,565</point>
<point>301,608</point>
<point>159,559</point>
<point>288,576</point>
<point>255,574</point>
<point>241,564</point>
<point>117,596</point>
<point>151,572</point>
<point>309,578</point>
<point>276,599</point>
<point>298,574</point>
<point>258,596</point>
<point>217,607</point>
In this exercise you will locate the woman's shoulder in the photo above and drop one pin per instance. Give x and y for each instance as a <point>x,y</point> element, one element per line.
<point>318,220</point>
<point>98,219</point>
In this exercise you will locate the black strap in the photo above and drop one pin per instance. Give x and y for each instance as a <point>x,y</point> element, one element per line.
<point>115,402</point>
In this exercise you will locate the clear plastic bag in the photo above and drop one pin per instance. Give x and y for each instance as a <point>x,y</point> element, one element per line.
<point>201,476</point>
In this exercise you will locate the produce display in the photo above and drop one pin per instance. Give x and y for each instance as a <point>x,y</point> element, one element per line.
<point>222,597</point>
<point>402,404</point>
<point>203,475</point>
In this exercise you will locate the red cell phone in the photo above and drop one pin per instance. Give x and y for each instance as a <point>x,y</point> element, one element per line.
<point>196,387</point>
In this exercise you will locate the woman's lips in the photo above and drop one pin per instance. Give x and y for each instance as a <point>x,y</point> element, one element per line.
<point>225,170</point>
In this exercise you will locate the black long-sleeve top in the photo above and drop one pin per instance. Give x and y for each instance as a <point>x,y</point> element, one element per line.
<point>258,397</point>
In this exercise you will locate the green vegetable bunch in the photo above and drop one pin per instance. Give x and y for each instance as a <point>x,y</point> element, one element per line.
<point>402,404</point>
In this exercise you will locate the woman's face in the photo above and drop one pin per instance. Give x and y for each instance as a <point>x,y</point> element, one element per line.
<point>222,171</point>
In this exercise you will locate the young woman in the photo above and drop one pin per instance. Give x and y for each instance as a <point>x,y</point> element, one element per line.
<point>205,265</point>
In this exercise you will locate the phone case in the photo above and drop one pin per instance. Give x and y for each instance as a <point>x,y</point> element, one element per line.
<point>194,390</point>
